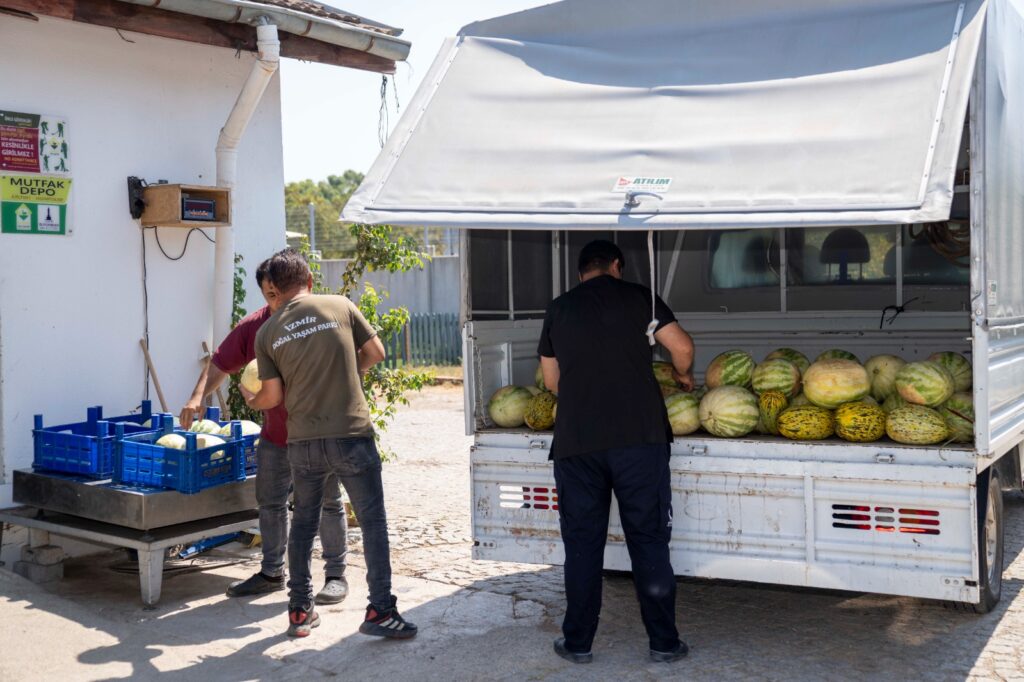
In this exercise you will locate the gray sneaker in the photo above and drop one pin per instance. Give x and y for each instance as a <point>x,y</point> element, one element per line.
<point>334,591</point>
<point>257,584</point>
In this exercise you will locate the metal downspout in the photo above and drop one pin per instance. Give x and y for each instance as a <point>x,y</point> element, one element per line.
<point>227,163</point>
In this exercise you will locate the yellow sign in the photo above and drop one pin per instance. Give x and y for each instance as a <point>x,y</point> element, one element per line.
<point>37,188</point>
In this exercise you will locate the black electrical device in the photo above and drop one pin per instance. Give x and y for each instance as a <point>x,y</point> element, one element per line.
<point>193,208</point>
<point>136,202</point>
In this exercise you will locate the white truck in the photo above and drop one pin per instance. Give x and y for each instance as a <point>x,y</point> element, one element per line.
<point>812,175</point>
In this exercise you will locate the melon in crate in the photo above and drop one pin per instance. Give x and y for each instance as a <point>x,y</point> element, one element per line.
<point>916,425</point>
<point>507,407</point>
<point>683,413</point>
<point>729,411</point>
<point>924,383</point>
<point>958,413</point>
<point>830,383</point>
<point>791,354</point>
<point>958,367</point>
<point>731,368</point>
<point>776,375</point>
<point>882,371</point>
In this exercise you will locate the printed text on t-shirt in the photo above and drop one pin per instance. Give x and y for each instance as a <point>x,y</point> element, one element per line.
<point>308,325</point>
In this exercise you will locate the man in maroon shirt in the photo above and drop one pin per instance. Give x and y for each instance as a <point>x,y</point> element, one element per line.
<point>273,472</point>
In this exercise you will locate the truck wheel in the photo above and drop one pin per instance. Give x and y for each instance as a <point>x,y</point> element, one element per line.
<point>990,545</point>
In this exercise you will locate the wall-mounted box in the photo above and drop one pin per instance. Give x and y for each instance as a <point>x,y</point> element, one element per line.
<point>186,206</point>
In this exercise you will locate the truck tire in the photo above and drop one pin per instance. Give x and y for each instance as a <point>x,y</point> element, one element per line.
<point>990,544</point>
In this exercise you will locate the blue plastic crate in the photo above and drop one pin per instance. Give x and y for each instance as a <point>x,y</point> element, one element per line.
<point>85,448</point>
<point>141,461</point>
<point>250,442</point>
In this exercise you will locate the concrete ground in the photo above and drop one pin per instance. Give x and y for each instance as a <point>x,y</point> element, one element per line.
<point>482,620</point>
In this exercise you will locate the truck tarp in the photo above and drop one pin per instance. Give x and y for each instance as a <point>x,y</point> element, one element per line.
<point>730,113</point>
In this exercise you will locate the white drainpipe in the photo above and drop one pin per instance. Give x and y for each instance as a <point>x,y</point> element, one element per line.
<point>269,48</point>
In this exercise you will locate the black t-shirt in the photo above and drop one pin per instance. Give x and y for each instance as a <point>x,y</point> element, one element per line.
<point>607,394</point>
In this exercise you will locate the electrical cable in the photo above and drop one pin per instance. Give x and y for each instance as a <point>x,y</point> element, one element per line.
<point>145,313</point>
<point>951,242</point>
<point>156,231</point>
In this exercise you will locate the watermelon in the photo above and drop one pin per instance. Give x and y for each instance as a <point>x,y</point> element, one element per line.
<point>770,405</point>
<point>859,422</point>
<point>666,391</point>
<point>538,378</point>
<point>830,383</point>
<point>958,413</point>
<point>731,368</point>
<point>794,356</point>
<point>663,373</point>
<point>507,407</point>
<point>882,371</point>
<point>916,425</point>
<point>924,383</point>
<point>806,423</point>
<point>250,378</point>
<point>837,354</point>
<point>700,392</point>
<point>540,411</point>
<point>958,367</point>
<point>729,411</point>
<point>892,402</point>
<point>776,375</point>
<point>683,413</point>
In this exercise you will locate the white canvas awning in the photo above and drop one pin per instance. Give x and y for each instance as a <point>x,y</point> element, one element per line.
<point>736,112</point>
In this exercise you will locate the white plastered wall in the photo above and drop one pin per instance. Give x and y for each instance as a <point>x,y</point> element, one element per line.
<point>71,308</point>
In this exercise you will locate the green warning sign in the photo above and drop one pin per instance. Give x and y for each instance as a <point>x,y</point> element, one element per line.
<point>34,204</point>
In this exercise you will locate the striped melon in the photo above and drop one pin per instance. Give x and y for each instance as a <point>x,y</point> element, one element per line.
<point>798,400</point>
<point>700,392</point>
<point>731,368</point>
<point>538,378</point>
<point>892,402</point>
<point>830,383</point>
<point>683,413</point>
<point>666,391</point>
<point>776,375</point>
<point>507,407</point>
<point>924,383</point>
<point>793,355</point>
<point>958,367</point>
<point>958,412</point>
<point>916,425</point>
<point>859,422</point>
<point>770,405</point>
<point>882,371</point>
<point>729,411</point>
<point>663,373</point>
<point>837,354</point>
<point>806,423</point>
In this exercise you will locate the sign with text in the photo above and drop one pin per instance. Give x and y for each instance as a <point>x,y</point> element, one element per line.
<point>33,143</point>
<point>34,204</point>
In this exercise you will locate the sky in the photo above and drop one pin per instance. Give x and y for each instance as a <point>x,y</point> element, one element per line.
<point>330,113</point>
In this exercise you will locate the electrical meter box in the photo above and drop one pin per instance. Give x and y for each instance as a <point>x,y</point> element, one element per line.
<point>186,206</point>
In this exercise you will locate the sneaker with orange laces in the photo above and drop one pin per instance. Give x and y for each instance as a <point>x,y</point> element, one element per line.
<point>301,620</point>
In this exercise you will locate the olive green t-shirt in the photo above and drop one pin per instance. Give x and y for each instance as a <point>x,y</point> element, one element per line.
<point>310,343</point>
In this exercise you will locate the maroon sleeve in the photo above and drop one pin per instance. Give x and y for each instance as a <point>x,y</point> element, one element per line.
<point>237,348</point>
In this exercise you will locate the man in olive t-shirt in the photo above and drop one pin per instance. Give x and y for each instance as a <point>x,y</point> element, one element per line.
<point>317,347</point>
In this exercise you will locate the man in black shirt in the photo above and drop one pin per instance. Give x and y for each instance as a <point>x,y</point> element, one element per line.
<point>612,435</point>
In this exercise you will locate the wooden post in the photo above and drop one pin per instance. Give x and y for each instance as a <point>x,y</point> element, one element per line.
<point>220,395</point>
<point>152,371</point>
<point>408,344</point>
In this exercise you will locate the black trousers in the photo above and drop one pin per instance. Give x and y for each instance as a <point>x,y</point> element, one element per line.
<point>639,477</point>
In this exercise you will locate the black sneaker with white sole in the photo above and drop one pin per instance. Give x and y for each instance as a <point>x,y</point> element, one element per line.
<point>387,623</point>
<point>257,584</point>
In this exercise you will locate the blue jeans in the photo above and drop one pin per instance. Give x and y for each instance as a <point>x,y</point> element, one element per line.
<point>357,465</point>
<point>273,481</point>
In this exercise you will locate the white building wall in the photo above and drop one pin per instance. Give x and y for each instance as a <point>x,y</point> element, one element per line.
<point>71,308</point>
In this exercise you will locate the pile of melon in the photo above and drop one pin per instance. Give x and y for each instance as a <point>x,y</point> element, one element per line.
<point>915,403</point>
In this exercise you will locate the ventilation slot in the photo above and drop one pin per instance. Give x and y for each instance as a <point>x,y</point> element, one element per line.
<point>884,519</point>
<point>528,497</point>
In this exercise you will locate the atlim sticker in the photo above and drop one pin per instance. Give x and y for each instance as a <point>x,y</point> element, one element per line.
<point>642,183</point>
